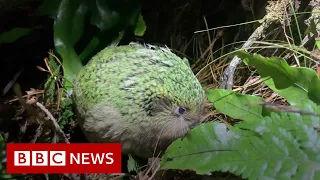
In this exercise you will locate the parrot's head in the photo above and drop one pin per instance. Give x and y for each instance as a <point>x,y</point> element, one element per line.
<point>175,118</point>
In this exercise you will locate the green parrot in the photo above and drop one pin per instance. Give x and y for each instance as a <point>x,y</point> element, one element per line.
<point>139,95</point>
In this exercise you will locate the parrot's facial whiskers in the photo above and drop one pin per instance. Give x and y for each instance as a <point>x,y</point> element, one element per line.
<point>173,120</point>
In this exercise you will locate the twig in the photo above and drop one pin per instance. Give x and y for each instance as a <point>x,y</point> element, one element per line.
<point>27,107</point>
<point>17,90</point>
<point>46,111</point>
<point>154,173</point>
<point>313,21</point>
<point>38,133</point>
<point>227,77</point>
<point>11,83</point>
<point>28,95</point>
<point>282,108</point>
<point>274,14</point>
<point>54,122</point>
<point>153,163</point>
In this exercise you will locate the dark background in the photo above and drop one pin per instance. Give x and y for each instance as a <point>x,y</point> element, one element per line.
<point>170,23</point>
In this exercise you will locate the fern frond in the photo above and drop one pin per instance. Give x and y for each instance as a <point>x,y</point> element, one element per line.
<point>281,146</point>
<point>51,85</point>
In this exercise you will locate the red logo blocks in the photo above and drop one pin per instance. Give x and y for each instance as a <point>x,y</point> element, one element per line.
<point>63,158</point>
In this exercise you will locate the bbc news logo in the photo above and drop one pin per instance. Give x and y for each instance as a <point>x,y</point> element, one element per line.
<point>63,158</point>
<point>39,158</point>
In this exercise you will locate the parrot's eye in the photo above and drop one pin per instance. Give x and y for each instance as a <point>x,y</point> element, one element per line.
<point>180,110</point>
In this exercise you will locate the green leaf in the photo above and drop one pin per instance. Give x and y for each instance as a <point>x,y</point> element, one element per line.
<point>67,113</point>
<point>140,26</point>
<point>66,102</point>
<point>235,105</point>
<point>298,85</point>
<point>64,119</point>
<point>14,34</point>
<point>281,146</point>
<point>318,44</point>
<point>200,148</point>
<point>68,28</point>
<point>89,49</point>
<point>103,16</point>
<point>50,86</point>
<point>73,17</point>
<point>132,165</point>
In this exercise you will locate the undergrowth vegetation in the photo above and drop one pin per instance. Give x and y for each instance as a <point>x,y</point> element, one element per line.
<point>271,141</point>
<point>266,126</point>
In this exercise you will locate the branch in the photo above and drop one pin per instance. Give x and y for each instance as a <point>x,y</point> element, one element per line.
<point>33,112</point>
<point>275,11</point>
<point>54,122</point>
<point>314,20</point>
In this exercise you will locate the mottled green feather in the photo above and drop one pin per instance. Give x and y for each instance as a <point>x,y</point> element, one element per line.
<point>131,79</point>
<point>112,74</point>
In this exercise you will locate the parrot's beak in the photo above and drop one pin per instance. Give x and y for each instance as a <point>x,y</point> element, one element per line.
<point>195,123</point>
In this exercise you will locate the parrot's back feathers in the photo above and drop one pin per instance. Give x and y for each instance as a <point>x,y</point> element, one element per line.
<point>152,92</point>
